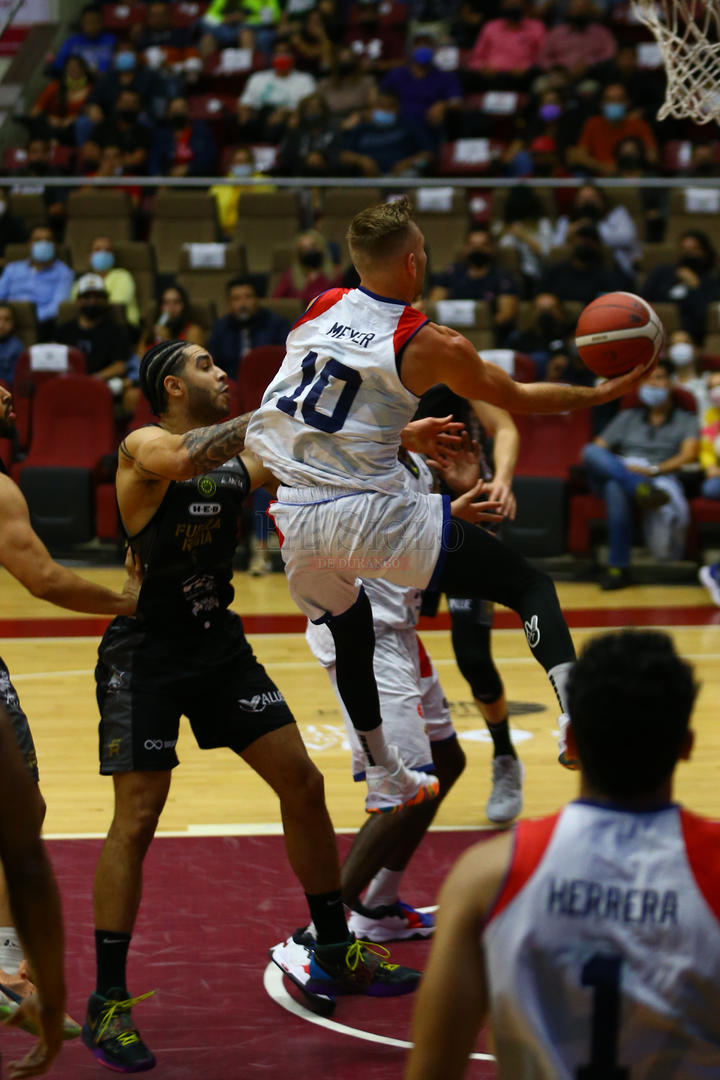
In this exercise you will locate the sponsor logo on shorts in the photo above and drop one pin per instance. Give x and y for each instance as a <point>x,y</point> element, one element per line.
<point>113,748</point>
<point>160,744</point>
<point>259,702</point>
<point>206,486</point>
<point>204,509</point>
<point>532,632</point>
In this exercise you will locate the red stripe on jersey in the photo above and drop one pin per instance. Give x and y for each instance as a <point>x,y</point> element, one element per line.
<point>425,664</point>
<point>410,322</point>
<point>702,843</point>
<point>281,538</point>
<point>531,841</point>
<point>319,305</point>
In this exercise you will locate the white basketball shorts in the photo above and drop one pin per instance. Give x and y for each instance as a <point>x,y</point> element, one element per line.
<point>329,540</point>
<point>412,702</point>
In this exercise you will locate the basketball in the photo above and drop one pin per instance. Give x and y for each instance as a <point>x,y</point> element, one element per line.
<point>617,332</point>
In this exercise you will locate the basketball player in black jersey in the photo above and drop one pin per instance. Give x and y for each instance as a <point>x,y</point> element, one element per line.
<point>180,486</point>
<point>24,555</point>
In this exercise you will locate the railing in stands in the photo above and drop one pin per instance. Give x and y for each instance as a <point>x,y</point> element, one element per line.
<point>387,183</point>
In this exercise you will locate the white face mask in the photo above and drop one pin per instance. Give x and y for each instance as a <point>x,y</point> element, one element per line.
<point>681,353</point>
<point>714,394</point>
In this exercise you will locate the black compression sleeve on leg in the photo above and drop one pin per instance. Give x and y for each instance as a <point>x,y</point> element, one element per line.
<point>471,643</point>
<point>354,638</point>
<point>478,564</point>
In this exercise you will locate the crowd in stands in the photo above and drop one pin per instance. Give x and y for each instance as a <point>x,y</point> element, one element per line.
<point>260,89</point>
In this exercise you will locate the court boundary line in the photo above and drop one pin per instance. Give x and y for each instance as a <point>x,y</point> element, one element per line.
<point>269,828</point>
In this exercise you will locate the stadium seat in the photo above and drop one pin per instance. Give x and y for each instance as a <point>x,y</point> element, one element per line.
<point>338,207</point>
<point>36,366</point>
<point>181,217</point>
<point>265,220</point>
<point>25,321</point>
<point>210,283</point>
<point>120,18</point>
<point>30,207</point>
<point>96,213</point>
<point>257,368</point>
<point>286,306</point>
<point>469,157</point>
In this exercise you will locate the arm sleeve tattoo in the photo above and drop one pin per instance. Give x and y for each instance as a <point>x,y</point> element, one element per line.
<point>209,447</point>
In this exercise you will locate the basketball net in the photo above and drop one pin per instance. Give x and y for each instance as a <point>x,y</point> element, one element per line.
<point>688,33</point>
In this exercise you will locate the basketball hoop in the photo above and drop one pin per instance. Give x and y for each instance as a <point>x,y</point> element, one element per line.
<point>688,33</point>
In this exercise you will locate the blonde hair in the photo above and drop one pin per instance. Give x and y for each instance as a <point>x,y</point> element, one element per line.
<point>380,231</point>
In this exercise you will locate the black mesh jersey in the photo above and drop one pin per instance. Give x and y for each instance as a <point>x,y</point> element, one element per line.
<point>187,549</point>
<point>440,400</point>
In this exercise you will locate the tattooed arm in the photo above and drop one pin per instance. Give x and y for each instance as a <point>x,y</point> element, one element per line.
<point>159,455</point>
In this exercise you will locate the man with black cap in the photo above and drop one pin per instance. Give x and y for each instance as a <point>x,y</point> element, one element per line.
<point>180,486</point>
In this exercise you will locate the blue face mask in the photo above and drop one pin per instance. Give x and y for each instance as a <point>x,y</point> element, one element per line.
<point>241,169</point>
<point>125,61</point>
<point>383,117</point>
<point>652,396</point>
<point>42,251</point>
<point>423,55</point>
<point>614,111</point>
<point>102,261</point>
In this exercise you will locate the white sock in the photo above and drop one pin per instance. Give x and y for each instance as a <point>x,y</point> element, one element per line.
<point>559,676</point>
<point>383,889</point>
<point>375,747</point>
<point>11,951</point>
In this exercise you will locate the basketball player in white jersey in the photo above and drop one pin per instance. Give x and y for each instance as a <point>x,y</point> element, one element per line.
<point>590,939</point>
<point>329,429</point>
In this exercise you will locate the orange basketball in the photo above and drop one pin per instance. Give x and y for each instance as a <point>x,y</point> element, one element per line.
<point>617,332</point>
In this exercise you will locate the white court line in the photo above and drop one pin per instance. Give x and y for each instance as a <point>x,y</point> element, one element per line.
<point>257,829</point>
<point>275,988</point>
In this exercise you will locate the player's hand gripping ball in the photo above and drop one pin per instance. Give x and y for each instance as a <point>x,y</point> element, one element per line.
<point>617,332</point>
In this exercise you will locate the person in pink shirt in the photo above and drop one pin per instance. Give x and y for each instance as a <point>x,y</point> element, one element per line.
<point>579,43</point>
<point>508,46</point>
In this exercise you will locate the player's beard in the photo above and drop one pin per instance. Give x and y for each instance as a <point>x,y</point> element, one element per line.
<point>206,406</point>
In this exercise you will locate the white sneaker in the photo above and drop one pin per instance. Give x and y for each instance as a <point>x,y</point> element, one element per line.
<point>707,575</point>
<point>506,796</point>
<point>393,922</point>
<point>293,957</point>
<point>391,789</point>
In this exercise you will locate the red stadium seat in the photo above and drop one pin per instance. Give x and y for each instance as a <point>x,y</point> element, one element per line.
<point>31,373</point>
<point>468,157</point>
<point>187,12</point>
<point>257,368</point>
<point>121,17</point>
<point>550,444</point>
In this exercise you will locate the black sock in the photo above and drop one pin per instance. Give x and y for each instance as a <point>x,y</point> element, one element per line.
<point>111,949</point>
<point>500,735</point>
<point>327,911</point>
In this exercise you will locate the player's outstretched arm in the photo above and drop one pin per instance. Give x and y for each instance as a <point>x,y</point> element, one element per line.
<point>452,1002</point>
<point>506,446</point>
<point>34,902</point>
<point>160,455</point>
<point>439,354</point>
<point>24,555</point>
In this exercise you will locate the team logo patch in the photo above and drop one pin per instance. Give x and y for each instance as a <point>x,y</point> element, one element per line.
<point>259,702</point>
<point>206,486</point>
<point>532,632</point>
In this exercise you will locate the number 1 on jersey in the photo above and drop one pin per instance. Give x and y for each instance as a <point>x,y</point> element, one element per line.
<point>602,973</point>
<point>332,369</point>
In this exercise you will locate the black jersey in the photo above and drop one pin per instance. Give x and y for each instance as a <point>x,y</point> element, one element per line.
<point>187,549</point>
<point>440,400</point>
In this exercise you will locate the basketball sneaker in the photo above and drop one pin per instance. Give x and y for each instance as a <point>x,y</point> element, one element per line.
<point>352,967</point>
<point>563,757</point>
<point>709,578</point>
<point>293,958</point>
<point>389,789</point>
<point>391,922</point>
<point>11,999</point>
<point>506,795</point>
<point>112,1037</point>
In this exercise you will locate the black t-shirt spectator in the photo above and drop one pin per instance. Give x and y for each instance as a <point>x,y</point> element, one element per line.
<point>461,285</point>
<point>230,338</point>
<point>149,84</point>
<point>128,137</point>
<point>570,281</point>
<point>103,344</point>
<point>664,286</point>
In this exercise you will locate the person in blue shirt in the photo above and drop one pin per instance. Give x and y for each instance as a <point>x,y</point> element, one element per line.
<point>245,326</point>
<point>427,95</point>
<point>43,278</point>
<point>95,44</point>
<point>10,345</point>
<point>182,146</point>
<point>386,144</point>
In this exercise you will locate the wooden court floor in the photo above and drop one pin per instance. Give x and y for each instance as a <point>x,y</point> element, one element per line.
<point>51,656</point>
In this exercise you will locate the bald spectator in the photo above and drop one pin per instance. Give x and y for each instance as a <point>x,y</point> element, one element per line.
<point>580,43</point>
<point>601,134</point>
<point>509,45</point>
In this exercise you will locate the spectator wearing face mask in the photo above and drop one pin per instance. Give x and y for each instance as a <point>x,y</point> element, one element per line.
<point>245,326</point>
<point>312,270</point>
<point>478,276</point>
<point>103,340</point>
<point>690,282</point>
<point>42,279</point>
<point>383,144</point>
<point>427,95</point>
<point>616,227</point>
<point>529,231</point>
<point>127,129</point>
<point>279,89</point>
<point>183,146</point>
<point>10,345</point>
<point>119,283</point>
<point>634,463</point>
<point>311,145</point>
<point>586,273</point>
<point>129,72</point>
<point>631,164</point>
<point>687,369</point>
<point>227,197</point>
<point>601,134</point>
<point>56,111</point>
<point>579,43</point>
<point>548,332</point>
<point>349,88</point>
<point>507,49</point>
